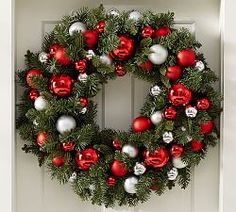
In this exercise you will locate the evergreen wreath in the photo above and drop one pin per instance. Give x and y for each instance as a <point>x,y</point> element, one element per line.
<point>173,132</point>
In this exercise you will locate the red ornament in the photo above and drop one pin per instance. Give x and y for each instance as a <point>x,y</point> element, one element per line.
<point>157,158</point>
<point>58,161</point>
<point>33,94</point>
<point>34,72</point>
<point>206,127</point>
<point>53,48</point>
<point>116,144</point>
<point>170,113</point>
<point>111,181</point>
<point>120,71</point>
<point>147,31</point>
<point>179,95</point>
<point>203,104</point>
<point>90,38</point>
<point>196,145</point>
<point>146,66</point>
<point>41,138</point>
<point>186,57</point>
<point>81,65</point>
<point>125,48</point>
<point>86,158</point>
<point>59,54</point>
<point>173,73</point>
<point>162,31</point>
<point>176,150</point>
<point>68,146</point>
<point>118,168</point>
<point>141,124</point>
<point>100,26</point>
<point>60,85</point>
<point>83,101</point>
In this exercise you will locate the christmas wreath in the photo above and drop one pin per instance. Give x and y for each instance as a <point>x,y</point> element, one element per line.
<point>173,132</point>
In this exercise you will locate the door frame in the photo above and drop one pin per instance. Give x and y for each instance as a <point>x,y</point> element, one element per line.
<point>227,190</point>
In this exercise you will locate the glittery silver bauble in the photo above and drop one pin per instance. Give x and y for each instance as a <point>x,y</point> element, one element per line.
<point>199,65</point>
<point>130,150</point>
<point>40,103</point>
<point>65,124</point>
<point>130,184</point>
<point>156,117</point>
<point>191,112</point>
<point>158,54</point>
<point>134,15</point>
<point>113,12</point>
<point>139,169</point>
<point>90,54</point>
<point>43,57</point>
<point>172,174</point>
<point>73,177</point>
<point>105,59</point>
<point>179,163</point>
<point>155,90</point>
<point>167,137</point>
<point>83,77</point>
<point>77,27</point>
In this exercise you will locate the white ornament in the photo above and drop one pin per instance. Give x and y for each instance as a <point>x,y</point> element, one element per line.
<point>73,177</point>
<point>65,124</point>
<point>130,184</point>
<point>156,117</point>
<point>40,103</point>
<point>105,59</point>
<point>158,54</point>
<point>83,77</point>
<point>172,174</point>
<point>77,27</point>
<point>155,90</point>
<point>90,54</point>
<point>135,16</point>
<point>183,129</point>
<point>179,163</point>
<point>130,150</point>
<point>191,112</point>
<point>189,138</point>
<point>199,65</point>
<point>83,110</point>
<point>35,123</point>
<point>167,137</point>
<point>43,57</point>
<point>139,169</point>
<point>113,12</point>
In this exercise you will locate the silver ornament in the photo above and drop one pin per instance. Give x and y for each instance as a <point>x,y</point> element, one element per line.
<point>83,110</point>
<point>105,59</point>
<point>130,150</point>
<point>183,129</point>
<point>65,124</point>
<point>90,54</point>
<point>77,27</point>
<point>167,137</point>
<point>191,112</point>
<point>130,184</point>
<point>155,90</point>
<point>139,169</point>
<point>156,117</point>
<point>199,65</point>
<point>113,12</point>
<point>172,174</point>
<point>43,57</point>
<point>73,177</point>
<point>135,15</point>
<point>40,103</point>
<point>83,77</point>
<point>158,54</point>
<point>35,122</point>
<point>179,163</point>
<point>189,138</point>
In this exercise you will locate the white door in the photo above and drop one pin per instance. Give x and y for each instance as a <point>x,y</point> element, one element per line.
<point>35,192</point>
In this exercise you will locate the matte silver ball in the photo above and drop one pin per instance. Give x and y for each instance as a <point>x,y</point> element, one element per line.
<point>158,54</point>
<point>179,163</point>
<point>65,124</point>
<point>130,184</point>
<point>40,103</point>
<point>156,117</point>
<point>105,59</point>
<point>135,15</point>
<point>130,150</point>
<point>77,27</point>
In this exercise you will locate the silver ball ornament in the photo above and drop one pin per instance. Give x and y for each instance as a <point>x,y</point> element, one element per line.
<point>155,90</point>
<point>129,185</point>
<point>156,117</point>
<point>113,12</point>
<point>77,27</point>
<point>139,169</point>
<point>199,65</point>
<point>105,59</point>
<point>172,174</point>
<point>73,177</point>
<point>65,124</point>
<point>90,54</point>
<point>191,112</point>
<point>167,137</point>
<point>135,15</point>
<point>179,163</point>
<point>130,150</point>
<point>43,57</point>
<point>40,103</point>
<point>83,77</point>
<point>158,54</point>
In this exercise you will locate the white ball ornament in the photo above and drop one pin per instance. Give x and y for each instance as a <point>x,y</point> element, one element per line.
<point>113,12</point>
<point>158,54</point>
<point>130,150</point>
<point>155,90</point>
<point>43,57</point>
<point>73,177</point>
<point>77,27</point>
<point>156,117</point>
<point>179,163</point>
<point>191,112</point>
<point>172,174</point>
<point>90,54</point>
<point>83,77</point>
<point>139,169</point>
<point>40,103</point>
<point>105,59</point>
<point>130,184</point>
<point>65,124</point>
<point>135,15</point>
<point>167,137</point>
<point>199,65</point>
<point>83,110</point>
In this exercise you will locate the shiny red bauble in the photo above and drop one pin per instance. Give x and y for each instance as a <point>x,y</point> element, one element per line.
<point>125,48</point>
<point>147,31</point>
<point>156,159</point>
<point>186,57</point>
<point>118,168</point>
<point>203,104</point>
<point>173,73</point>
<point>196,145</point>
<point>34,72</point>
<point>33,94</point>
<point>53,48</point>
<point>116,144</point>
<point>86,158</point>
<point>41,138</point>
<point>162,31</point>
<point>100,26</point>
<point>141,124</point>
<point>179,95</point>
<point>146,66</point>
<point>170,113</point>
<point>60,85</point>
<point>120,71</point>
<point>59,54</point>
<point>68,146</point>
<point>110,181</point>
<point>83,101</point>
<point>58,161</point>
<point>90,38</point>
<point>206,127</point>
<point>176,150</point>
<point>81,65</point>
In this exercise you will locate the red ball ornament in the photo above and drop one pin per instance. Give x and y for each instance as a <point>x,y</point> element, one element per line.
<point>34,72</point>
<point>53,48</point>
<point>147,31</point>
<point>186,57</point>
<point>100,26</point>
<point>141,124</point>
<point>203,104</point>
<point>33,94</point>
<point>120,71</point>
<point>206,127</point>
<point>68,146</point>
<point>86,158</point>
<point>146,66</point>
<point>41,138</point>
<point>81,65</point>
<point>173,73</point>
<point>118,169</point>
<point>116,144</point>
<point>58,161</point>
<point>90,38</point>
<point>60,56</point>
<point>162,31</point>
<point>156,159</point>
<point>83,101</point>
<point>196,145</point>
<point>176,150</point>
<point>179,95</point>
<point>60,85</point>
<point>170,113</point>
<point>110,181</point>
<point>125,48</point>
